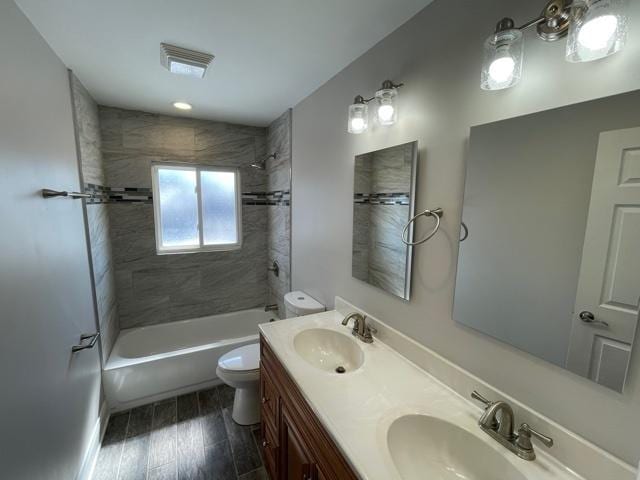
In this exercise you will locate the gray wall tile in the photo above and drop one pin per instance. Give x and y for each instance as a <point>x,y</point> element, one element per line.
<point>87,126</point>
<point>155,288</point>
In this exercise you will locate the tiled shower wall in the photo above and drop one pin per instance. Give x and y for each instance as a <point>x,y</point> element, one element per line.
<point>279,213</point>
<point>153,288</point>
<point>91,169</point>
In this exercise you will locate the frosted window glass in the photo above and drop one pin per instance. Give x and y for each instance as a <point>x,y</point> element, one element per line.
<point>219,215</point>
<point>178,207</point>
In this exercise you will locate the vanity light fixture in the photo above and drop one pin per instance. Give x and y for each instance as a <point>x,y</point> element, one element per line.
<point>386,111</point>
<point>596,29</point>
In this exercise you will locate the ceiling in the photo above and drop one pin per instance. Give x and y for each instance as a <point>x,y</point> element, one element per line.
<point>270,54</point>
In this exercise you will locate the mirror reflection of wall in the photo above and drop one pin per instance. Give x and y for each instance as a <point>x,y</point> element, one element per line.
<point>552,202</point>
<point>383,202</point>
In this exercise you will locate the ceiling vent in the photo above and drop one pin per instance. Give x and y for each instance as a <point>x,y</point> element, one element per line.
<point>183,61</point>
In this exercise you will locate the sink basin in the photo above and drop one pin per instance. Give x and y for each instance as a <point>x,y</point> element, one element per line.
<point>328,350</point>
<point>427,447</point>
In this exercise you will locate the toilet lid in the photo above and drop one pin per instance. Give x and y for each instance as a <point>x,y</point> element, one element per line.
<point>242,359</point>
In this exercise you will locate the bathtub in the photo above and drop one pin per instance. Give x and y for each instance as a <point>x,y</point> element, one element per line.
<point>150,363</point>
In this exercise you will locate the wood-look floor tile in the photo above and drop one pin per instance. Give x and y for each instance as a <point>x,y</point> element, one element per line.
<point>243,445</point>
<point>226,394</point>
<point>219,461</point>
<point>111,449</point>
<point>164,434</point>
<point>213,429</point>
<point>165,472</point>
<point>191,461</point>
<point>135,454</point>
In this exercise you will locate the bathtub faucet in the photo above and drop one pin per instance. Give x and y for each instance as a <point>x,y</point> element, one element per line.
<point>271,308</point>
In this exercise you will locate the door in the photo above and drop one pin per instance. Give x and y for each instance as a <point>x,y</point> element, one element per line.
<point>297,461</point>
<point>50,396</point>
<point>606,308</point>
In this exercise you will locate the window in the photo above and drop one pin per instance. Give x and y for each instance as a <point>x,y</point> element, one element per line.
<point>196,208</point>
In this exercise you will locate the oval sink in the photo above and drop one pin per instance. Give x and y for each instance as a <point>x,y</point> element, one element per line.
<point>328,350</point>
<point>427,447</point>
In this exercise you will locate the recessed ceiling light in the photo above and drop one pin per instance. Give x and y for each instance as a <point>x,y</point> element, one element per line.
<point>183,61</point>
<point>182,105</point>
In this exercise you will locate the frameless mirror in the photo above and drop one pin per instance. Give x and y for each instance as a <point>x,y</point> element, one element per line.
<point>383,203</point>
<point>551,264</point>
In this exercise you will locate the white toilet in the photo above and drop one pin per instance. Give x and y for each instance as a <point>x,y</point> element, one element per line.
<point>240,368</point>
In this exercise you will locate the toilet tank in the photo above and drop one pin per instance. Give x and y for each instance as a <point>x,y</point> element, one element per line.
<point>299,303</point>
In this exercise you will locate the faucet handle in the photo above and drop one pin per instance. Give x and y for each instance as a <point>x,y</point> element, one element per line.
<point>524,437</point>
<point>476,396</point>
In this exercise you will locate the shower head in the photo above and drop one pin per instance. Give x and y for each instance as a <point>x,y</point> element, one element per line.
<point>262,164</point>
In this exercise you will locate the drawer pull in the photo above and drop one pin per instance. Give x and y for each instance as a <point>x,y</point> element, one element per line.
<point>265,444</point>
<point>265,399</point>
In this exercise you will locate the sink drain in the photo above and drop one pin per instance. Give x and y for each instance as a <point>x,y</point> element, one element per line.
<point>340,369</point>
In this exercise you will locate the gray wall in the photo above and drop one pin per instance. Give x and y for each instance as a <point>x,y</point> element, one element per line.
<point>438,56</point>
<point>279,210</point>
<point>155,288</point>
<point>50,397</point>
<point>526,206</point>
<point>87,126</point>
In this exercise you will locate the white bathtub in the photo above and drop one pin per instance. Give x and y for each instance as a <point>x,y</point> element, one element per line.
<point>159,361</point>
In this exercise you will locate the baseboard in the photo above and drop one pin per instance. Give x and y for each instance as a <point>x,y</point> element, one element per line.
<point>93,449</point>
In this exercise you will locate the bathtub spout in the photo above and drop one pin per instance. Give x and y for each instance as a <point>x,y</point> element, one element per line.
<point>271,308</point>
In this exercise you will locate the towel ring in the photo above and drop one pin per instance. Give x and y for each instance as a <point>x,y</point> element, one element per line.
<point>436,213</point>
<point>465,235</point>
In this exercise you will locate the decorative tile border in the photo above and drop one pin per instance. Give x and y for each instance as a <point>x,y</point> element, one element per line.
<point>393,198</point>
<point>277,197</point>
<point>101,194</point>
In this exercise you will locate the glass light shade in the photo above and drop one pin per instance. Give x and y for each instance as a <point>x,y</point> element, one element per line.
<point>387,110</point>
<point>598,29</point>
<point>358,118</point>
<point>502,66</point>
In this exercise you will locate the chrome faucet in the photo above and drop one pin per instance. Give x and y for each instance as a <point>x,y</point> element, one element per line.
<point>271,308</point>
<point>497,422</point>
<point>361,330</point>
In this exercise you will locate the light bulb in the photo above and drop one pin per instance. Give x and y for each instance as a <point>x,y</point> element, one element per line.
<point>357,124</point>
<point>501,69</point>
<point>385,113</point>
<point>598,33</point>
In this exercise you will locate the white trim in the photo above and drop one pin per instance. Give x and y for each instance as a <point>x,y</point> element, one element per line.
<point>93,449</point>
<point>201,247</point>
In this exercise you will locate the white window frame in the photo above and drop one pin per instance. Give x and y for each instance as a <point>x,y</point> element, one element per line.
<point>157,217</point>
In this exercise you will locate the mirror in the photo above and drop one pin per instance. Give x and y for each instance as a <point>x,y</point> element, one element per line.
<point>383,203</point>
<point>551,264</point>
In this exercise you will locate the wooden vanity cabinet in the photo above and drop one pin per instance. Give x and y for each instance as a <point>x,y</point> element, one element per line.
<point>295,445</point>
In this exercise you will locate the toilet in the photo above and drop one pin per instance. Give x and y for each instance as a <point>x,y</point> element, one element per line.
<point>240,368</point>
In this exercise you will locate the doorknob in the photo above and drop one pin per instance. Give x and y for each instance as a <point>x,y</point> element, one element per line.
<point>92,337</point>
<point>588,317</point>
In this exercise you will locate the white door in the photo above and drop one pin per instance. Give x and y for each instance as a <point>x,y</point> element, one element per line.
<point>49,396</point>
<point>606,308</point>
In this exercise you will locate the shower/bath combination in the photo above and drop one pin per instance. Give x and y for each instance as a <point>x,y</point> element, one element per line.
<point>262,164</point>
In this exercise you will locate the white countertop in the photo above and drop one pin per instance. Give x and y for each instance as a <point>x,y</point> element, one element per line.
<point>357,408</point>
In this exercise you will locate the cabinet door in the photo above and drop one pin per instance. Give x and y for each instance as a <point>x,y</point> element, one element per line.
<point>296,461</point>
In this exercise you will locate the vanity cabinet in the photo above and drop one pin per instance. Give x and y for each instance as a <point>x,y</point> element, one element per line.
<point>295,445</point>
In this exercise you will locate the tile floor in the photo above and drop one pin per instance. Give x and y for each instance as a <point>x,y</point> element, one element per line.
<point>183,438</point>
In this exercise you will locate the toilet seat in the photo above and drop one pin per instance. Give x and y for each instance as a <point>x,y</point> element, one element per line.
<point>241,361</point>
